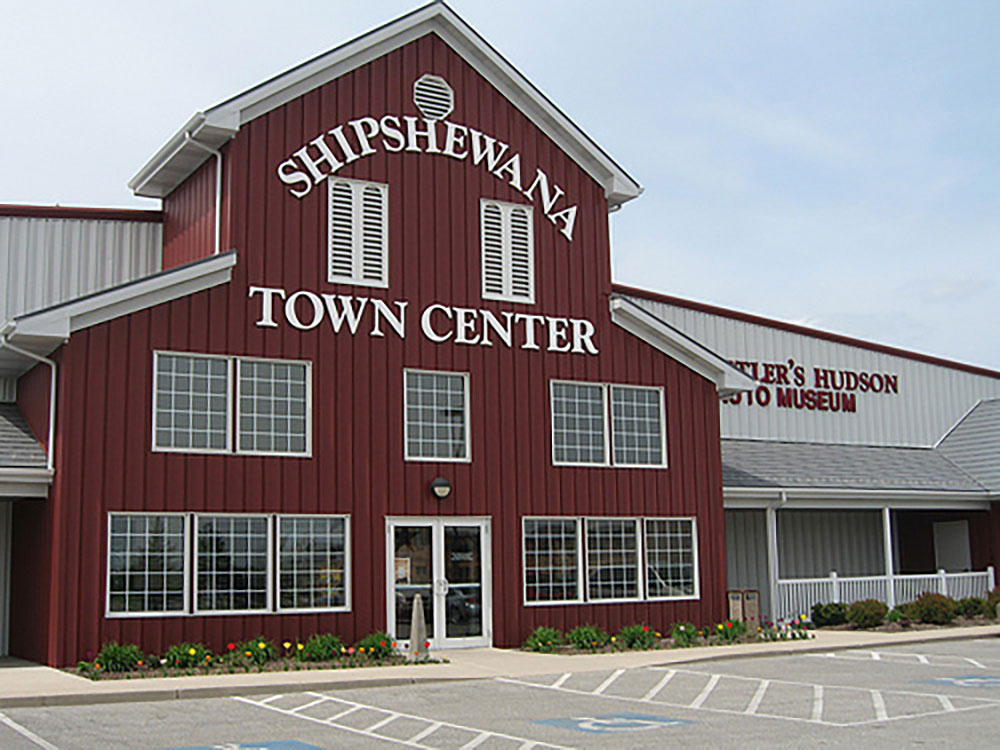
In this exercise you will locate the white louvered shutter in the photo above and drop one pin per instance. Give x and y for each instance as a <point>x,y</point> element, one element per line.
<point>359,233</point>
<point>508,249</point>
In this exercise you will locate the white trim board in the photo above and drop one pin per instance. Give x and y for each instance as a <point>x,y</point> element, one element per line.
<point>179,158</point>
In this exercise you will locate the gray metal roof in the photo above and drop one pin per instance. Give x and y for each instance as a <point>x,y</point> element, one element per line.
<point>18,447</point>
<point>974,443</point>
<point>763,463</point>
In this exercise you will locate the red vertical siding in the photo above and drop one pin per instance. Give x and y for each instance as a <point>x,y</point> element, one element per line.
<point>357,465</point>
<point>189,218</point>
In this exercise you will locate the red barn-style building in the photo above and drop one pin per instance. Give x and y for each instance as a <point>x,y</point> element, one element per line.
<point>380,356</point>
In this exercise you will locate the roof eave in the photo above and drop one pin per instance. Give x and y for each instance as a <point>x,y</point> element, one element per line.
<point>690,353</point>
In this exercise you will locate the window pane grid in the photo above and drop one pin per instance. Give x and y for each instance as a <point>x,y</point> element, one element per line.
<point>146,564</point>
<point>312,563</point>
<point>578,423</point>
<point>636,426</point>
<point>612,559</point>
<point>551,550</point>
<point>670,558</point>
<point>435,416</point>
<point>232,557</point>
<point>273,403</point>
<point>192,403</point>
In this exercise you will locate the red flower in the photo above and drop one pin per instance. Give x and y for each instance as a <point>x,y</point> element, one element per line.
<point>729,624</point>
<point>427,644</point>
<point>381,643</point>
<point>645,628</point>
<point>231,646</point>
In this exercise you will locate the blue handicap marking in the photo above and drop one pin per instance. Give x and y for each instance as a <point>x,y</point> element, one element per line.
<point>967,681</point>
<point>615,723</point>
<point>277,745</point>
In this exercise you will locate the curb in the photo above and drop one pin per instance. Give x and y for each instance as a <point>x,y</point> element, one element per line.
<point>154,694</point>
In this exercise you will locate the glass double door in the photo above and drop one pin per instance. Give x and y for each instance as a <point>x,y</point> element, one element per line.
<point>445,561</point>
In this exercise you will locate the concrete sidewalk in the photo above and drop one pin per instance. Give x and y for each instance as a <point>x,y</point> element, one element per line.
<point>26,684</point>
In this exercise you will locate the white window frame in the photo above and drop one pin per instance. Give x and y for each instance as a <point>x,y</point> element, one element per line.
<point>580,563</point>
<point>269,607</point>
<point>694,558</point>
<point>468,419</point>
<point>608,461</point>
<point>186,573</point>
<point>346,607</point>
<point>507,250</point>
<point>233,407</point>
<point>357,249</point>
<point>583,589</point>
<point>637,523</point>
<point>235,387</point>
<point>663,426</point>
<point>229,402</point>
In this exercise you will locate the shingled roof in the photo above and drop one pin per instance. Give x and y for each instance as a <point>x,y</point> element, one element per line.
<point>18,447</point>
<point>764,463</point>
<point>974,443</point>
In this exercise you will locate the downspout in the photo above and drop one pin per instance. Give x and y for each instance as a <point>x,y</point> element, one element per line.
<point>188,138</point>
<point>5,344</point>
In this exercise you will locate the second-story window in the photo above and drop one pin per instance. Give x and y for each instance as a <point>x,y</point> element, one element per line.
<point>508,251</point>
<point>436,416</point>
<point>358,249</point>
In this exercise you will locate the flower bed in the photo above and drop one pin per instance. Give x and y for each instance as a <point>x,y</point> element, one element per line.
<point>321,651</point>
<point>644,637</point>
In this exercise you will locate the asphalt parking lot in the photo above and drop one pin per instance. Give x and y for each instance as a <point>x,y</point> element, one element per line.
<point>935,694</point>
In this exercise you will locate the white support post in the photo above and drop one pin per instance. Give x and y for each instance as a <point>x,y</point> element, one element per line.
<point>942,582</point>
<point>991,580</point>
<point>835,586</point>
<point>770,515</point>
<point>890,582</point>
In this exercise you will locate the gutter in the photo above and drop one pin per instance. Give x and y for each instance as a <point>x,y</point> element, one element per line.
<point>188,138</point>
<point>5,344</point>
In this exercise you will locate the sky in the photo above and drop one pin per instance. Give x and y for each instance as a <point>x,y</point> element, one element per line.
<point>833,164</point>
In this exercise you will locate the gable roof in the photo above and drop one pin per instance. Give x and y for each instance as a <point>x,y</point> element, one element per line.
<point>974,443</point>
<point>180,157</point>
<point>678,345</point>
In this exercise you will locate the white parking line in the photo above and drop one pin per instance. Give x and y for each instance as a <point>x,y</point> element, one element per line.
<point>875,698</point>
<point>706,691</point>
<point>897,657</point>
<point>419,740</point>
<point>817,712</point>
<point>607,683</point>
<point>561,680</point>
<point>26,733</point>
<point>757,697</point>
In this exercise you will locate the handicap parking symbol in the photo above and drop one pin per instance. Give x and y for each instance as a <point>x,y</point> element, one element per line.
<point>967,681</point>
<point>614,723</point>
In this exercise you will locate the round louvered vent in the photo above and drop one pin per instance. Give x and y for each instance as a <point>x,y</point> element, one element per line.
<point>433,97</point>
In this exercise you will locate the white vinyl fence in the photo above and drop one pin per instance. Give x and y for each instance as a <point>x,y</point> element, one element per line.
<point>796,596</point>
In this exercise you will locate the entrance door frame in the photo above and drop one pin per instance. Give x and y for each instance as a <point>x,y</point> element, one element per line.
<point>437,525</point>
<point>6,524</point>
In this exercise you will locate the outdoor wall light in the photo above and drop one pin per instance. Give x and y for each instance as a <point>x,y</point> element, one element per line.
<point>441,488</point>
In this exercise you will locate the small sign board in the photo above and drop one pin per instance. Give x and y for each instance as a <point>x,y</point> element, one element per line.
<point>615,723</point>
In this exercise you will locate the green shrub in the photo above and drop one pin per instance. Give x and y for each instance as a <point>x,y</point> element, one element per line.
<point>320,647</point>
<point>684,634</point>
<point>544,640</point>
<point>257,650</point>
<point>187,655</point>
<point>377,645</point>
<point>992,601</point>
<point>936,609</point>
<point>867,613</point>
<point>119,657</point>
<point>897,614</point>
<point>834,613</point>
<point>588,637</point>
<point>971,606</point>
<point>730,631</point>
<point>639,637</point>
